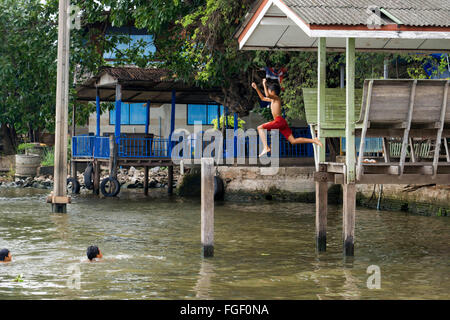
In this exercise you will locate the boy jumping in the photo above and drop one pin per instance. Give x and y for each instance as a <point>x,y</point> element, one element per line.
<point>272,92</point>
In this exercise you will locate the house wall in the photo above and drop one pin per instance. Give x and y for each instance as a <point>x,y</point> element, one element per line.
<point>161,116</point>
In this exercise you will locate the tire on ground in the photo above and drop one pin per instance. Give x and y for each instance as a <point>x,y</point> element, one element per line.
<point>219,190</point>
<point>75,185</point>
<point>88,177</point>
<point>113,182</point>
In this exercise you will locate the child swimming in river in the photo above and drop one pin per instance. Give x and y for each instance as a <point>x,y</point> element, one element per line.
<point>5,255</point>
<point>93,253</point>
<point>272,92</point>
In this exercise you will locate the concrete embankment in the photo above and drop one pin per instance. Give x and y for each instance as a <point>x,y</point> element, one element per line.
<point>297,184</point>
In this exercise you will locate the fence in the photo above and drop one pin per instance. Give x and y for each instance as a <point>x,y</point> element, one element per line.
<point>98,147</point>
<point>90,147</point>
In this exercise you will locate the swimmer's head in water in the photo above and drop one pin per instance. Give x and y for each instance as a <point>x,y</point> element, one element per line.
<point>5,255</point>
<point>274,88</point>
<point>93,252</point>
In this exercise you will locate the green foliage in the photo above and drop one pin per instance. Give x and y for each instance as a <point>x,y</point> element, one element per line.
<point>48,158</point>
<point>21,148</point>
<point>230,122</point>
<point>19,278</point>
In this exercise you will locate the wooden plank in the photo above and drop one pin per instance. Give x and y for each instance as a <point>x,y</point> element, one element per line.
<point>321,215</point>
<point>349,208</point>
<point>322,73</point>
<point>207,206</point>
<point>408,127</point>
<point>359,169</point>
<point>437,149</point>
<point>350,159</point>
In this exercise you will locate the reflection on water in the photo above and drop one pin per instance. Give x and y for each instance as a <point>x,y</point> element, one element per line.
<point>263,250</point>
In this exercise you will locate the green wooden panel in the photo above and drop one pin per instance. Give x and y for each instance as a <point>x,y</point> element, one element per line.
<point>335,105</point>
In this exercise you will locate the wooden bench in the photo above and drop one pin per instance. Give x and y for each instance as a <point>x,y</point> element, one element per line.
<point>407,109</point>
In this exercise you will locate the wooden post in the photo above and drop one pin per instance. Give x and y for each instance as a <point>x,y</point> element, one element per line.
<point>97,175</point>
<point>348,226</point>
<point>437,150</point>
<point>170,182</point>
<point>146,180</point>
<point>362,144</point>
<point>62,105</point>
<point>408,128</point>
<point>349,194</point>
<point>207,207</point>
<point>236,127</point>
<point>73,164</point>
<point>322,74</point>
<point>321,215</point>
<point>350,159</point>
<point>112,156</point>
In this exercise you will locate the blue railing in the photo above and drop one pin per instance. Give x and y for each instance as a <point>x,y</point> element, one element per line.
<point>98,147</point>
<point>83,146</point>
<point>143,148</point>
<point>101,148</point>
<point>90,147</point>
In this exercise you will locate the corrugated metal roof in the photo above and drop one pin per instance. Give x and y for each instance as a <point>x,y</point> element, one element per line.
<point>356,12</point>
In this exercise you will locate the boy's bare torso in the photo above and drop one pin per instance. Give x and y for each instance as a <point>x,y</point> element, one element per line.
<point>275,107</point>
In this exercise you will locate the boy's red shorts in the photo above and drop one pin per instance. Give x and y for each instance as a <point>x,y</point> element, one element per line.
<point>280,124</point>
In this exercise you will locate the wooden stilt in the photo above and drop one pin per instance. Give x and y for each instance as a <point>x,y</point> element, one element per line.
<point>60,198</point>
<point>348,226</point>
<point>408,128</point>
<point>437,150</point>
<point>96,189</point>
<point>321,215</point>
<point>112,156</point>
<point>146,181</point>
<point>207,207</point>
<point>170,182</point>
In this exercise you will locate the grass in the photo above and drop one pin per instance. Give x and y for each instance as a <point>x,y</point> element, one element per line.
<point>48,158</point>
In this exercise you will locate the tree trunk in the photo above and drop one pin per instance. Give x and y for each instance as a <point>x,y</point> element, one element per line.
<point>8,140</point>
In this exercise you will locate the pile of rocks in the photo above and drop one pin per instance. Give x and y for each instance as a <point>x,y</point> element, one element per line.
<point>131,178</point>
<point>41,182</point>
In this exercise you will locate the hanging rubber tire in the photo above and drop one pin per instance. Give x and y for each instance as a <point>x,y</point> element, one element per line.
<point>219,190</point>
<point>114,187</point>
<point>88,177</point>
<point>73,185</point>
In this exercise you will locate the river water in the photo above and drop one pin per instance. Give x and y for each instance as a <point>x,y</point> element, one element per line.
<point>263,250</point>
